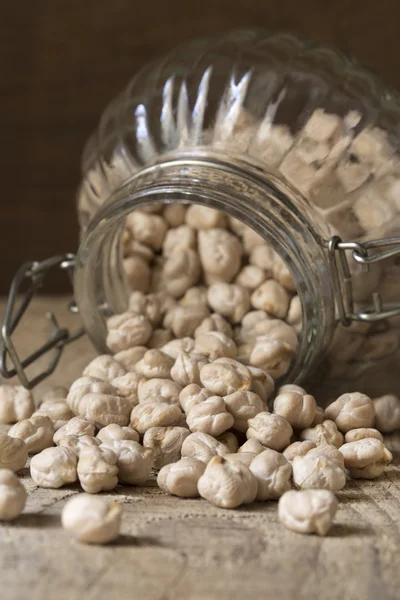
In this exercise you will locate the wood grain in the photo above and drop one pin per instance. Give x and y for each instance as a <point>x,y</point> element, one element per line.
<point>174,549</point>
<point>63,61</point>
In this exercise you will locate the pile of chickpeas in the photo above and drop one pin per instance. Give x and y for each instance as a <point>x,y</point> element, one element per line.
<point>190,390</point>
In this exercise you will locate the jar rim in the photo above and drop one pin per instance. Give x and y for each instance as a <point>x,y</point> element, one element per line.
<point>245,191</point>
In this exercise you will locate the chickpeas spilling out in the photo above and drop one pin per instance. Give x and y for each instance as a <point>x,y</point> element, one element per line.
<point>213,322</point>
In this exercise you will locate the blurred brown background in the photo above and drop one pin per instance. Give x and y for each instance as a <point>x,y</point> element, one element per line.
<point>62,61</point>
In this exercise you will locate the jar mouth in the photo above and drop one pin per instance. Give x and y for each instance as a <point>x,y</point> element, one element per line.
<point>256,197</point>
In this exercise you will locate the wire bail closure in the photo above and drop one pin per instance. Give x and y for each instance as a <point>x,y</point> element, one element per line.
<point>59,337</point>
<point>364,254</point>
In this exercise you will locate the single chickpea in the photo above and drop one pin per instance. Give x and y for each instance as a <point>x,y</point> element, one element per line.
<point>298,409</point>
<point>166,444</point>
<point>351,411</point>
<point>37,433</point>
<point>127,330</point>
<point>16,403</point>
<point>308,511</point>
<point>229,300</point>
<point>12,496</point>
<point>54,467</point>
<point>227,484</point>
<point>181,478</point>
<point>220,253</point>
<point>272,431</point>
<point>271,297</point>
<point>92,520</point>
<point>225,376</point>
<point>243,405</point>
<point>210,417</point>
<point>203,447</point>
<point>97,470</point>
<point>273,474</point>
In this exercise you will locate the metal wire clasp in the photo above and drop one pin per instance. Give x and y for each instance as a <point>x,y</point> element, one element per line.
<point>35,272</point>
<point>364,254</point>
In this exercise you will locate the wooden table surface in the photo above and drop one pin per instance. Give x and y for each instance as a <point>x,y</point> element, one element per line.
<point>174,549</point>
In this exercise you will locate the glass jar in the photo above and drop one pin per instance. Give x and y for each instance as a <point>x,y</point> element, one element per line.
<point>294,140</point>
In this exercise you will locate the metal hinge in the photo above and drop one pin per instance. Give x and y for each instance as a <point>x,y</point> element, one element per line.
<point>364,254</point>
<point>35,273</point>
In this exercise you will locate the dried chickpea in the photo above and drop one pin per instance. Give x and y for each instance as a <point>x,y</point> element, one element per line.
<point>13,453</point>
<point>12,496</point>
<point>229,300</point>
<point>295,314</point>
<point>298,449</point>
<point>179,238</point>
<point>324,433</point>
<point>91,520</point>
<point>243,405</point>
<point>37,433</point>
<point>203,447</point>
<point>230,441</point>
<point>114,432</point>
<point>154,364</point>
<point>103,367</point>
<point>105,409</point>
<point>318,472</point>
<point>186,369</point>
<point>78,443</point>
<point>251,277</point>
<point>308,511</point>
<point>16,403</point>
<point>174,214</point>
<point>354,435</point>
<point>87,385</point>
<point>159,338</point>
<point>191,395</point>
<point>166,444</point>
<point>137,272</point>
<point>271,297</point>
<point>365,458</point>
<point>146,305</point>
<point>252,446</point>
<point>75,426</point>
<point>214,322</point>
<point>272,431</point>
<point>154,414</point>
<point>181,478</point>
<point>129,358</point>
<point>57,411</point>
<point>159,390</point>
<point>133,461</point>
<point>194,296</point>
<point>351,411</point>
<point>186,319</point>
<point>220,253</point>
<point>272,356</point>
<point>149,229</point>
<point>227,484</point>
<point>54,467</point>
<point>215,344</point>
<point>126,330</point>
<point>175,347</point>
<point>210,417</point>
<point>298,409</point>
<point>273,474</point>
<point>97,470</point>
<point>180,272</point>
<point>387,413</point>
<point>204,217</point>
<point>225,376</point>
<point>126,386</point>
<point>262,256</point>
<point>262,383</point>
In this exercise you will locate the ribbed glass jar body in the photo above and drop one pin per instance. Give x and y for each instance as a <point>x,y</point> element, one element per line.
<point>297,142</point>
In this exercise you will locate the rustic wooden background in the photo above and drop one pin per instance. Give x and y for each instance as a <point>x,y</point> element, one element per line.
<point>62,61</point>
